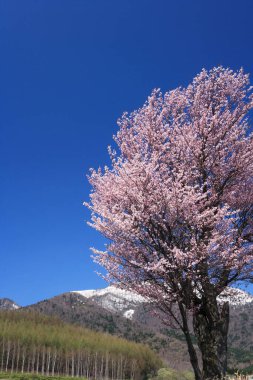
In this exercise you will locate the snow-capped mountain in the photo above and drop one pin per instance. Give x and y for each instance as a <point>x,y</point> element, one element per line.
<point>125,302</point>
<point>114,299</point>
<point>7,304</point>
<point>236,297</point>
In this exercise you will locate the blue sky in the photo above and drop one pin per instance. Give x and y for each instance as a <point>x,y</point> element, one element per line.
<point>68,70</point>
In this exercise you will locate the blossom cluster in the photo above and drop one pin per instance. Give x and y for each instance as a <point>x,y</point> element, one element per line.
<point>176,205</point>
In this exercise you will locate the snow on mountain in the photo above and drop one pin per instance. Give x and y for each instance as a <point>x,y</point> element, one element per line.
<point>126,302</point>
<point>114,299</point>
<point>129,314</point>
<point>112,291</point>
<point>7,304</point>
<point>236,297</point>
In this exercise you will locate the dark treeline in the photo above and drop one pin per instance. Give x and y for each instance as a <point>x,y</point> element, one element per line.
<point>33,343</point>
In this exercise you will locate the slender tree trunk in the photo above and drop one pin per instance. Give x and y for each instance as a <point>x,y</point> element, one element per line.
<point>78,364</point>
<point>191,349</point>
<point>48,360</point>
<point>18,356</point>
<point>133,370</point>
<point>43,360</point>
<point>54,362</point>
<point>38,361</point>
<point>23,359</point>
<point>72,365</point>
<point>210,323</point>
<point>101,375</point>
<point>95,365</point>
<point>33,359</point>
<point>66,365</point>
<point>28,362</point>
<point>112,372</point>
<point>3,353</point>
<point>88,365</point>
<point>8,355</point>
<point>13,357</point>
<point>106,366</point>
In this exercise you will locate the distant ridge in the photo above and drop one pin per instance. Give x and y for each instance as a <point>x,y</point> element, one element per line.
<point>236,297</point>
<point>125,302</point>
<point>8,304</point>
<point>114,299</point>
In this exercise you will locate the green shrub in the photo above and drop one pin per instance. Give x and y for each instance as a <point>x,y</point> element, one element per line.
<point>171,374</point>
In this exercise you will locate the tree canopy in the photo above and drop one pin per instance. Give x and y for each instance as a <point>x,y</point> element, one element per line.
<point>176,205</point>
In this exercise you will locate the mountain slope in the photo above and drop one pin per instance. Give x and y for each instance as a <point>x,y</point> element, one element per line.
<point>114,299</point>
<point>7,304</point>
<point>74,308</point>
<point>128,315</point>
<point>77,309</point>
<point>123,301</point>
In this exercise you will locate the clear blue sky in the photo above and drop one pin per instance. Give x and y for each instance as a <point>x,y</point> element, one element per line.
<point>68,70</point>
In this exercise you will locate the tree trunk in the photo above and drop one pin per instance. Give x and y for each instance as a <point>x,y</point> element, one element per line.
<point>3,353</point>
<point>210,323</point>
<point>191,349</point>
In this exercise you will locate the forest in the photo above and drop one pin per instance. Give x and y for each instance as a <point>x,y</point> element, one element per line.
<point>32,343</point>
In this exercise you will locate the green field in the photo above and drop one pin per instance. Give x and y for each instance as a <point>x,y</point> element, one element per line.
<point>31,376</point>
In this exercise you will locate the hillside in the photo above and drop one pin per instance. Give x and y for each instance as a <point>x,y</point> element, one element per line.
<point>126,315</point>
<point>7,304</point>
<point>74,308</point>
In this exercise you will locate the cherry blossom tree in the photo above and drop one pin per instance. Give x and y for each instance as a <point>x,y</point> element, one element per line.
<point>176,206</point>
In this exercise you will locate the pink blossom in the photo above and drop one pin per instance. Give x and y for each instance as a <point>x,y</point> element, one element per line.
<point>176,204</point>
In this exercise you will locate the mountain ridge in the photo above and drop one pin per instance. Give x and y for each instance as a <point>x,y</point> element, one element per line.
<point>116,299</point>
<point>8,304</point>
